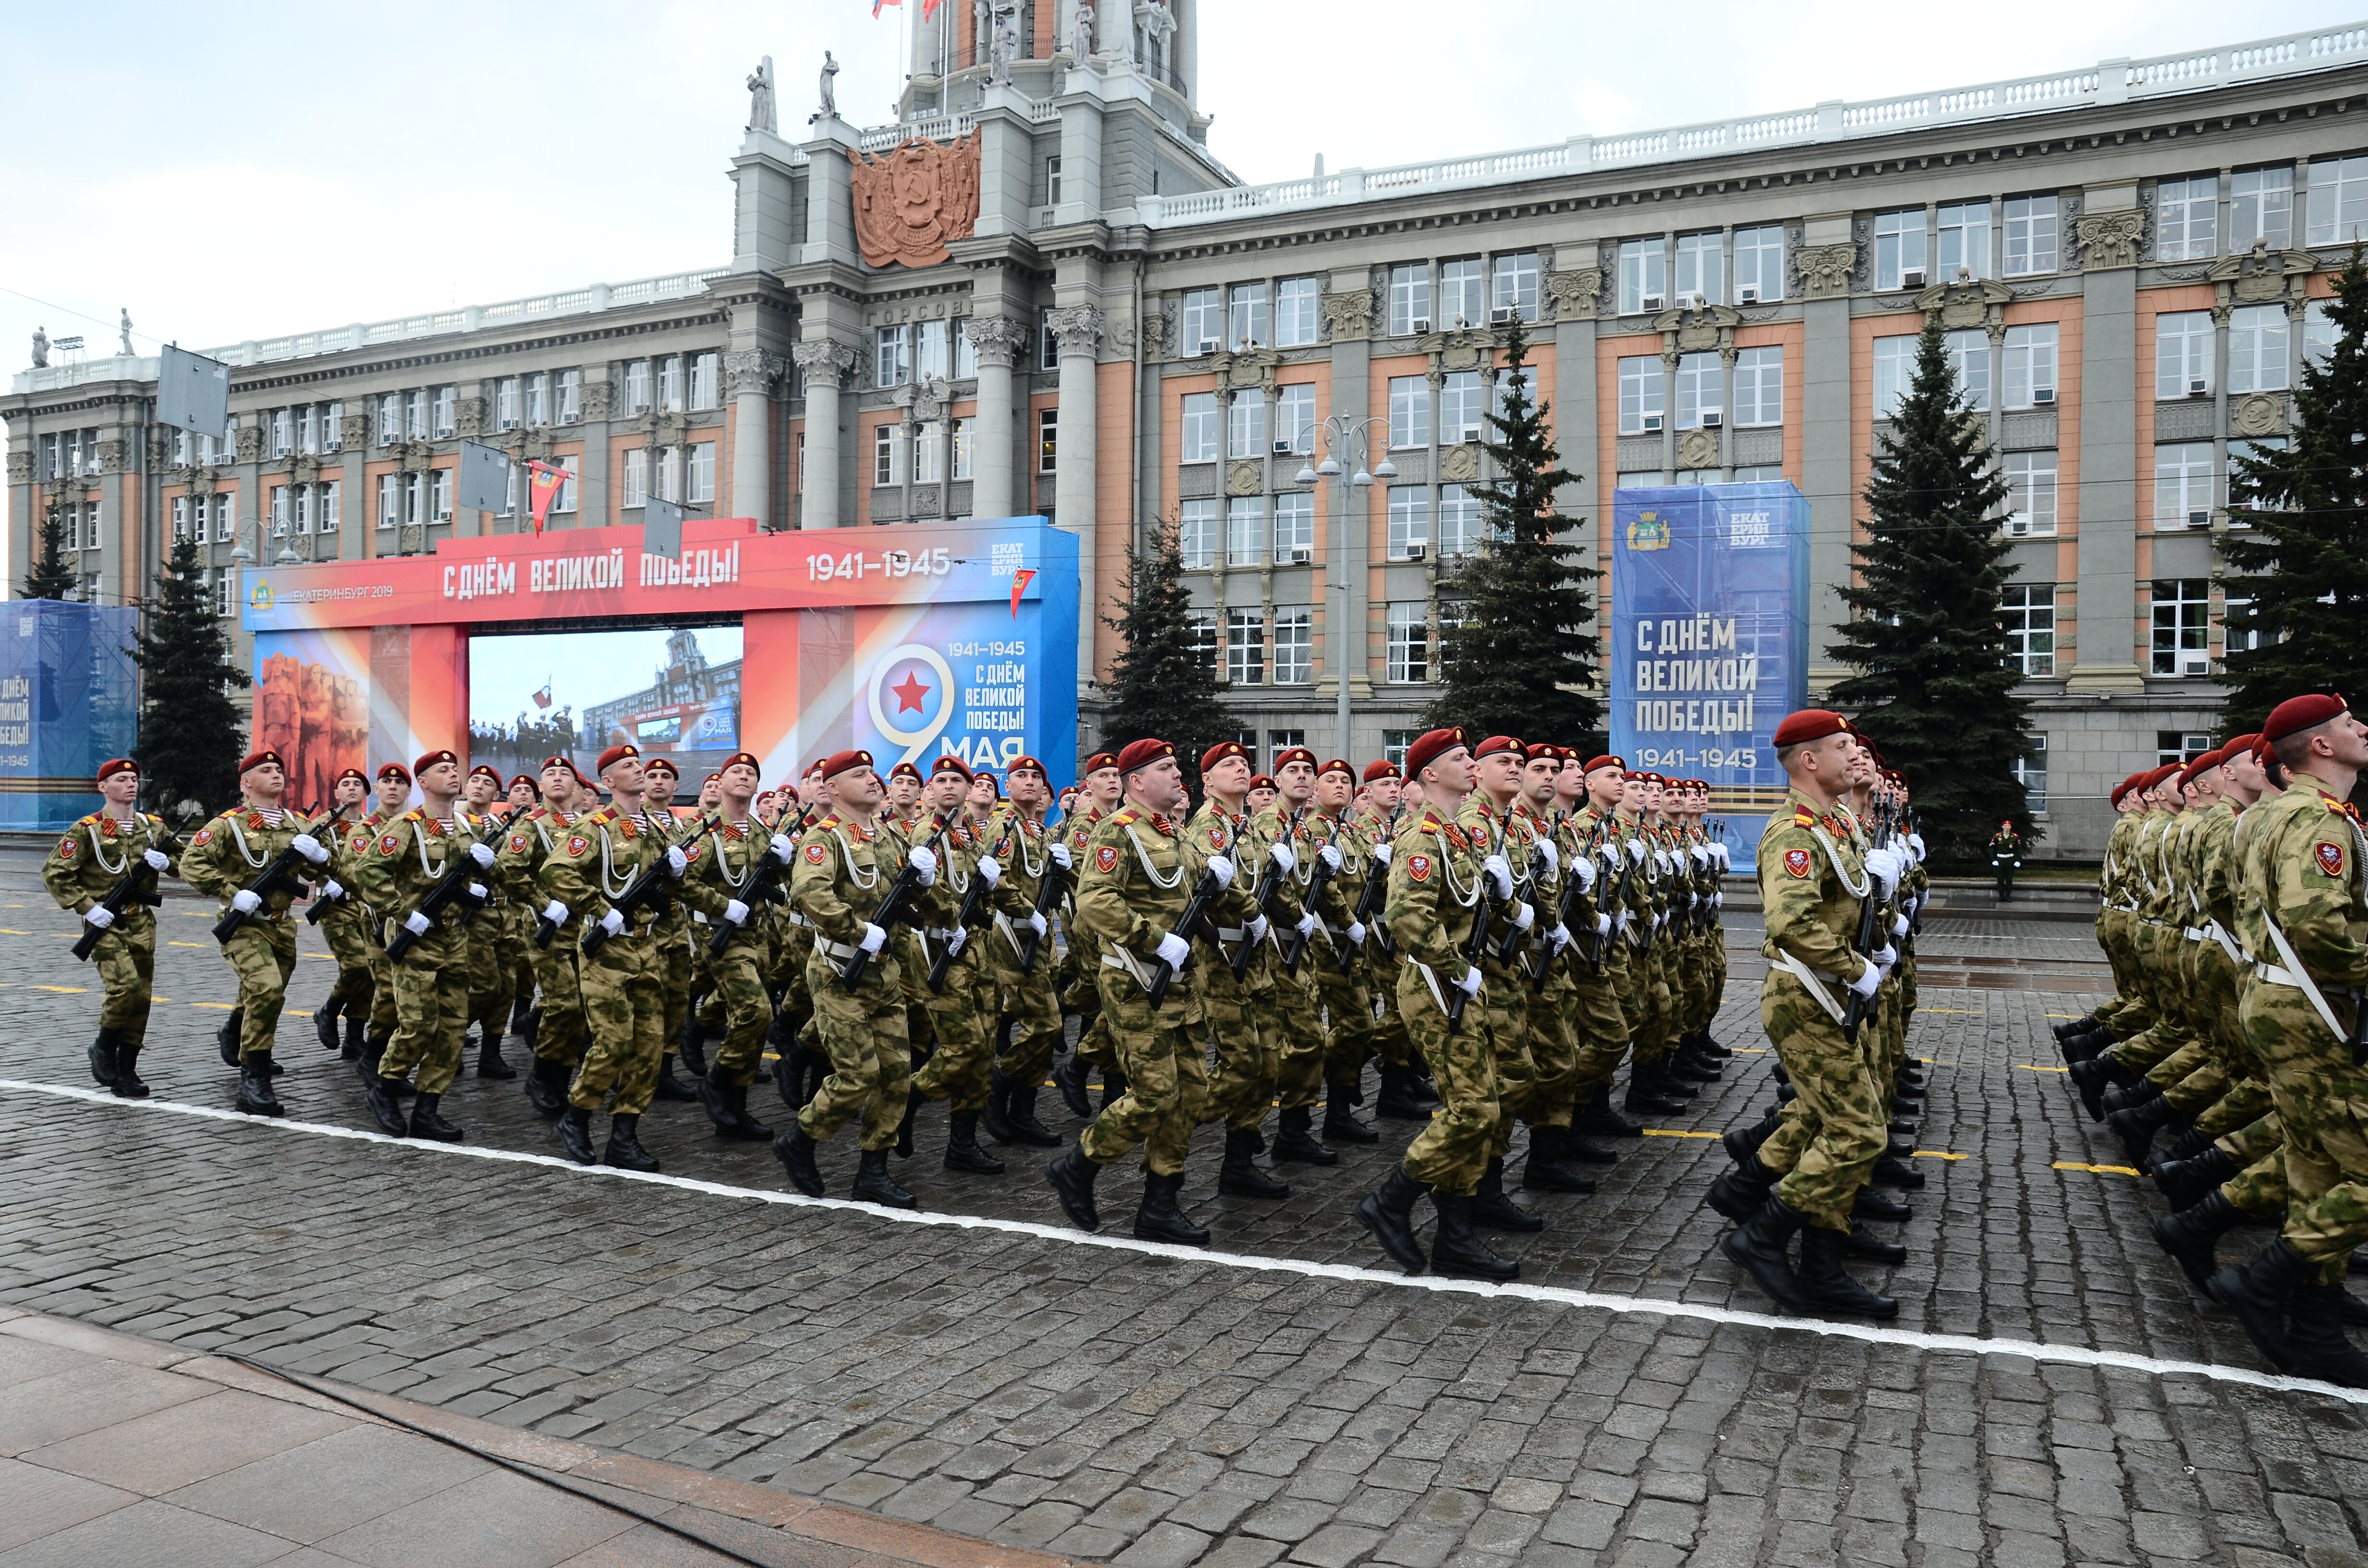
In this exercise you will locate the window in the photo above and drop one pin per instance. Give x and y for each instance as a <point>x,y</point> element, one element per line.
<point>2339,200</point>
<point>670,385</point>
<point>1246,531</point>
<point>1698,389</point>
<point>1760,263</point>
<point>1203,326</point>
<point>1048,347</point>
<point>1500,386</point>
<point>1294,416</point>
<point>1409,521</point>
<point>538,399</point>
<point>2172,745</point>
<point>2241,500</point>
<point>1644,275</point>
<point>571,396</point>
<point>965,445</point>
<point>1196,535</point>
<point>1899,249</point>
<point>1459,521</point>
<point>1199,429</point>
<point>670,474</point>
<point>2031,772</point>
<point>1964,241</point>
<point>1969,363</point>
<point>1759,386</point>
<point>930,452</point>
<point>1462,293</point>
<point>1697,476</point>
<point>2180,632</point>
<point>699,486</point>
<point>1294,528</point>
<point>2317,333</point>
<point>1298,315</point>
<point>328,507</point>
<point>390,419</point>
<point>1701,266</point>
<point>1409,642</point>
<point>637,477</point>
<point>507,397</point>
<point>50,452</point>
<point>447,401</point>
<point>439,495</point>
<point>1396,743</point>
<point>1294,644</point>
<point>2257,349</point>
<point>226,594</point>
<point>2029,612</point>
<point>1409,298</point>
<point>1202,633</point>
<point>1760,473</point>
<point>887,454</point>
<point>280,511</point>
<point>2235,636</point>
<point>1461,405</point>
<point>2182,484</point>
<point>1245,647</point>
<point>283,432</point>
<point>1640,478</point>
<point>965,352</point>
<point>2031,234</point>
<point>2030,366</point>
<point>891,355</point>
<point>1280,741</point>
<point>1515,285</point>
<point>2187,218</point>
<point>389,502</point>
<point>706,381</point>
<point>1246,424</point>
<point>1640,394</point>
<point>1248,325</point>
<point>2030,492</point>
<point>2182,354</point>
<point>929,350</point>
<point>1894,367</point>
<point>180,518</point>
<point>1048,440</point>
<point>637,387</point>
<point>1410,411</point>
<point>2260,208</point>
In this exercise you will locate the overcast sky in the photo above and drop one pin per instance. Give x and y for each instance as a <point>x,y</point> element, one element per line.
<point>255,169</point>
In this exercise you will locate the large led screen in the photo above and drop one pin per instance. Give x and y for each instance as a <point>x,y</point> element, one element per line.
<point>673,691</point>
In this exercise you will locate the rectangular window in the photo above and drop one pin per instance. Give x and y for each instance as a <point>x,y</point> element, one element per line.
<point>506,396</point>
<point>1048,440</point>
<point>1644,275</point>
<point>2339,200</point>
<point>1245,647</point>
<point>280,511</point>
<point>1199,445</point>
<point>302,503</point>
<point>1410,411</point>
<point>2030,494</point>
<point>2182,354</point>
<point>1462,293</point>
<point>571,397</point>
<point>1249,325</point>
<point>1396,743</point>
<point>447,409</point>
<point>1514,285</point>
<point>1196,535</point>
<point>2317,333</point>
<point>706,381</point>
<point>1964,241</point>
<point>1298,313</point>
<point>1246,424</point>
<point>333,427</point>
<point>1759,386</point>
<point>701,487</point>
<point>892,355</point>
<point>226,518</point>
<point>226,594</point>
<point>1280,741</point>
<point>965,352</point>
<point>1204,315</point>
<point>1899,249</point>
<point>48,452</point>
<point>2182,484</point>
<point>1702,268</point>
<point>1409,522</point>
<point>1202,629</point>
<point>965,446</point>
<point>637,387</point>
<point>329,508</point>
<point>1642,407</point>
<point>2258,346</point>
<point>2261,209</point>
<point>1246,531</point>
<point>2030,375</point>
<point>2181,627</point>
<point>1500,386</point>
<point>390,504</point>
<point>2241,500</point>
<point>538,399</point>
<point>1294,644</point>
<point>565,500</point>
<point>637,477</point>
<point>1969,361</point>
<point>1294,417</point>
<point>415,416</point>
<point>180,518</point>
<point>439,495</point>
<point>2187,218</point>
<point>1459,521</point>
<point>1294,528</point>
<point>1048,347</point>
<point>929,452</point>
<point>2234,637</point>
<point>1759,265</point>
<point>2173,745</point>
<point>1408,643</point>
<point>1461,407</point>
<point>1894,367</point>
<point>670,474</point>
<point>888,454</point>
<point>283,432</point>
<point>1698,389</point>
<point>1409,298</point>
<point>930,351</point>
<point>1760,473</point>
<point>670,384</point>
<point>2031,772</point>
<point>2029,612</point>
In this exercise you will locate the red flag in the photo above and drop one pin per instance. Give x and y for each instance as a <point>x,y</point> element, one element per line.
<point>929,8</point>
<point>1019,581</point>
<point>877,3</point>
<point>543,484</point>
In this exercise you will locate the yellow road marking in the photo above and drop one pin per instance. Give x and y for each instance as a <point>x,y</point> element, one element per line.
<point>218,1006</point>
<point>12,931</point>
<point>1935,1155</point>
<point>1969,1012</point>
<point>69,990</point>
<point>2030,1068</point>
<point>1751,1051</point>
<point>2097,1170</point>
<point>1674,1132</point>
<point>170,944</point>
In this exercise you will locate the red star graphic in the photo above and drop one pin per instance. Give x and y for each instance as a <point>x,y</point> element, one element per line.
<point>909,692</point>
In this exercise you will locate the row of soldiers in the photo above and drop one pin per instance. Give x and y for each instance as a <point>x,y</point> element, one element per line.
<point>2234,914</point>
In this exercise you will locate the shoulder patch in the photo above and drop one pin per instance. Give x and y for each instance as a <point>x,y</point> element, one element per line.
<point>518,843</point>
<point>1796,861</point>
<point>578,844</point>
<point>817,855</point>
<point>1106,858</point>
<point>388,843</point>
<point>1418,867</point>
<point>205,835</point>
<point>2330,857</point>
<point>67,847</point>
<point>1217,836</point>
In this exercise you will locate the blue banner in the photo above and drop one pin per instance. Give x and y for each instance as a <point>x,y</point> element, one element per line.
<point>1710,638</point>
<point>69,700</point>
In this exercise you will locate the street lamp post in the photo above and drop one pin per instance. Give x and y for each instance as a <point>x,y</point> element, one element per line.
<point>242,556</point>
<point>1354,438</point>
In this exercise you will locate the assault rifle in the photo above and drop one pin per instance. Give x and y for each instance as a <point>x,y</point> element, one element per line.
<point>274,877</point>
<point>1568,907</point>
<point>1050,888</point>
<point>760,890</point>
<point>320,907</point>
<point>894,906</point>
<point>1269,883</point>
<point>132,887</point>
<point>1511,943</point>
<point>967,916</point>
<point>1196,912</point>
<point>1371,899</point>
<point>460,869</point>
<point>1317,880</point>
<point>1870,924</point>
<point>1483,910</point>
<point>649,888</point>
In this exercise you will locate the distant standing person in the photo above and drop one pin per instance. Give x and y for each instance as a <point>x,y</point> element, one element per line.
<point>2005,858</point>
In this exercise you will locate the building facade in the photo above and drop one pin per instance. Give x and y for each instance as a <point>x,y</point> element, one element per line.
<point>1040,291</point>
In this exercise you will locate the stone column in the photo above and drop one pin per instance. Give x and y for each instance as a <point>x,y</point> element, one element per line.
<point>826,364</point>
<point>1000,341</point>
<point>752,372</point>
<point>2110,233</point>
<point>1824,265</point>
<point>1078,329</point>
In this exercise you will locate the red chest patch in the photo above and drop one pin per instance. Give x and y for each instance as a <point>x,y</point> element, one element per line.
<point>1418,868</point>
<point>518,843</point>
<point>1106,858</point>
<point>2330,858</point>
<point>817,855</point>
<point>1796,861</point>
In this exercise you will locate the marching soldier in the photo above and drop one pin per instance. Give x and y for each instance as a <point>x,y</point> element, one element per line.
<point>1031,999</point>
<point>393,788</point>
<point>1488,820</point>
<point>1564,1056</point>
<point>672,934</point>
<point>906,787</point>
<point>493,963</point>
<point>89,863</point>
<point>345,926</point>
<point>556,1026</point>
<point>719,885</point>
<point>961,1011</point>
<point>1281,834</point>
<point>1405,1094</point>
<point>1243,1023</point>
<point>1080,992</point>
<point>1339,982</point>
<point>524,795</point>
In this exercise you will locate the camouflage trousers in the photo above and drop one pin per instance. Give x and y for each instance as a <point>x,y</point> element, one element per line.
<point>1167,1087</point>
<point>1834,1129</point>
<point>871,1056</point>
<point>1651,1010</point>
<point>1299,1024</point>
<point>262,953</point>
<point>493,969</point>
<point>1081,995</point>
<point>126,960</point>
<point>559,989</point>
<point>1348,1021</point>
<point>1381,973</point>
<point>737,980</point>
<point>1031,1001</point>
<point>431,1010</point>
<point>673,958</point>
<point>1592,1007</point>
<point>1505,998</point>
<point>960,1070</point>
<point>2322,1101</point>
<point>347,933</point>
<point>1558,1052</point>
<point>624,1005</point>
<point>1451,1153</point>
<point>1242,1081</point>
<point>2126,1013</point>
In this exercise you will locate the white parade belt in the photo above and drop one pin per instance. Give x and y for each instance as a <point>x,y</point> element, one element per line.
<point>839,951</point>
<point>2293,973</point>
<point>1809,979</point>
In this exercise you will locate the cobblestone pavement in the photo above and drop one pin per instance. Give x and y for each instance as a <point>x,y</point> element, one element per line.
<point>1168,1409</point>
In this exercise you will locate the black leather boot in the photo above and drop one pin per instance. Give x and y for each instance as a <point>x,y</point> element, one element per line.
<point>1596,1119</point>
<point>1162,1219</point>
<point>1895,1173</point>
<point>427,1121</point>
<point>2067,1028</point>
<point>1871,1204</point>
<point>127,1084</point>
<point>1743,1191</point>
<point>1863,1242</point>
<point>997,1118</point>
<point>1397,1101</point>
<point>669,1087</point>
<point>1543,1170</point>
<point>1644,1096</point>
<point>1828,1286</point>
<point>1760,1246</point>
<point>374,1044</point>
<point>2130,1096</point>
<point>694,1044</point>
<point>1456,1249</point>
<point>1570,1149</point>
<point>2087,1047</point>
<point>1388,1212</point>
<point>356,1031</point>
<point>226,1037</point>
<point>796,1153</point>
<point>625,1151</point>
<point>1069,1078</point>
<point>963,1153</point>
<point>1681,1066</point>
<point>2321,1346</point>
<point>102,1058</point>
<point>2261,1293</point>
<point>2188,1182</point>
<point>1072,1175</point>
<point>254,1096</point>
<point>913,1098</point>
<point>378,1099</point>
<point>489,1052</point>
<point>2191,1236</point>
<point>1900,1148</point>
<point>574,1131</point>
<point>522,1008</point>
<point>1340,1125</point>
<point>1020,1111</point>
<point>1742,1142</point>
<point>324,1021</point>
<point>546,1085</point>
<point>1493,1210</point>
<point>2090,1079</point>
<point>2187,1142</point>
<point>1292,1141</point>
<point>1113,1086</point>
<point>2136,1125</point>
<point>744,1126</point>
<point>1239,1177</point>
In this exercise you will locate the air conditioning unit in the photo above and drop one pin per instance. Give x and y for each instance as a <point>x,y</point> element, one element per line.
<point>1293,557</point>
<point>2018,525</point>
<point>1690,299</point>
<point>1501,316</point>
<point>1415,551</point>
<point>2198,387</point>
<point>571,418</point>
<point>1421,326</point>
<point>1912,278</point>
<point>2042,396</point>
<point>1713,419</point>
<point>1469,433</point>
<point>1652,424</point>
<point>1747,295</point>
<point>1208,345</point>
<point>2199,519</point>
<point>1281,450</point>
<point>2194,663</point>
<point>1652,301</point>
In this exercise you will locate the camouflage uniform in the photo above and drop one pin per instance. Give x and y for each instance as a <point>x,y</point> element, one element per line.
<point>1031,997</point>
<point>622,985</point>
<point>83,866</point>
<point>844,869</point>
<point>1080,990</point>
<point>1435,895</point>
<point>493,943</point>
<point>431,980</point>
<point>960,1010</point>
<point>1349,1029</point>
<point>1239,1012</point>
<point>557,1023</point>
<point>1506,991</point>
<point>731,856</point>
<point>224,856</point>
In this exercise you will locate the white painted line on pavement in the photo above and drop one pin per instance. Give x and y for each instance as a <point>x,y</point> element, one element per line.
<point>1913,1339</point>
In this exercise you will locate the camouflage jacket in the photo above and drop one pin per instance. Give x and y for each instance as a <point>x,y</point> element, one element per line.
<point>1812,880</point>
<point>1435,888</point>
<point>2309,852</point>
<point>99,852</point>
<point>596,862</point>
<point>233,850</point>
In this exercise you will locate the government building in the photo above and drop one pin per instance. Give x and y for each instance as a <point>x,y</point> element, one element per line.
<point>1042,291</point>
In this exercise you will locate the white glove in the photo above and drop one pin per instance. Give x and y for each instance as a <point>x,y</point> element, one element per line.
<point>1720,850</point>
<point>1470,983</point>
<point>1356,933</point>
<point>785,849</point>
<point>1584,869</point>
<point>1604,925</point>
<point>1899,927</point>
<point>1036,922</point>
<point>555,912</point>
<point>1524,916</point>
<point>1915,842</point>
<point>1307,926</point>
<point>482,854</point>
<point>1553,856</point>
<point>1222,868</point>
<point>1284,861</point>
<point>921,860</point>
<point>1661,861</point>
<point>962,935</point>
<point>677,862</point>
<point>1884,866</point>
<point>417,923</point>
<point>1060,853</point>
<point>1718,900</point>
<point>613,922</point>
<point>735,911</point>
<point>1621,921</point>
<point>1886,957</point>
<point>156,862</point>
<point>1499,873</point>
<point>477,891</point>
<point>1382,853</point>
<point>100,916</point>
<point>1557,939</point>
<point>1173,950</point>
<point>874,938</point>
<point>1330,855</point>
<point>1636,850</point>
<point>1701,854</point>
<point>1255,932</point>
<point>307,845</point>
<point>992,870</point>
<point>333,889</point>
<point>244,902</point>
<point>1867,981</point>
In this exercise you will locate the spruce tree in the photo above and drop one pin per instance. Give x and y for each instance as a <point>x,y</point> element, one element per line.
<point>51,578</point>
<point>190,732</point>
<point>1160,685</point>
<point>1934,682</point>
<point>1521,658</point>
<point>2304,557</point>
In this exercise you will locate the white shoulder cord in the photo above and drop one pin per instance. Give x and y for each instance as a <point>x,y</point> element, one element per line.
<point>98,851</point>
<point>1144,854</point>
<point>239,836</point>
<point>1865,882</point>
<point>854,872</point>
<point>724,861</point>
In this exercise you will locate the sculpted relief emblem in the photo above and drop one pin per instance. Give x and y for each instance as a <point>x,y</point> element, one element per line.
<point>2258,414</point>
<point>1826,269</point>
<point>910,202</point>
<point>2110,239</point>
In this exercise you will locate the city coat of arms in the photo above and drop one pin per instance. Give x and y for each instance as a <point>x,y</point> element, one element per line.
<point>911,201</point>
